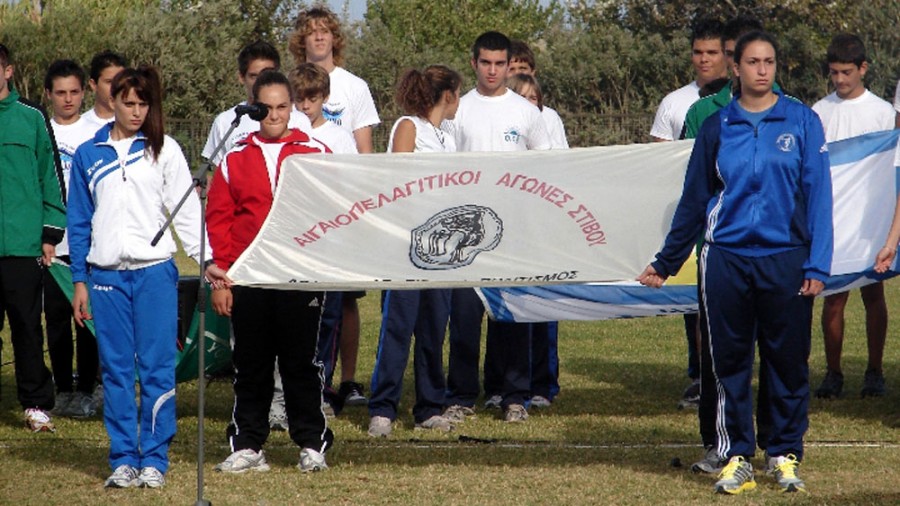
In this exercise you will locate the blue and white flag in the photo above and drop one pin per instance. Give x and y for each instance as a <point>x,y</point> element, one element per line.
<point>865,190</point>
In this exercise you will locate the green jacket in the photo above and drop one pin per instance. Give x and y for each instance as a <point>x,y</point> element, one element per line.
<point>32,211</point>
<point>704,108</point>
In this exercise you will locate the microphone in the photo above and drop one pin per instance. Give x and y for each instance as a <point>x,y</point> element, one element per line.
<point>257,112</point>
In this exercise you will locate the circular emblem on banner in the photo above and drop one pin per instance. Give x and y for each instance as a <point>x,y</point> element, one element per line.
<point>453,237</point>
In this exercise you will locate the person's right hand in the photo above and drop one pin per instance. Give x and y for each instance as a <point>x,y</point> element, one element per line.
<point>80,308</point>
<point>884,259</point>
<point>651,278</point>
<point>222,300</point>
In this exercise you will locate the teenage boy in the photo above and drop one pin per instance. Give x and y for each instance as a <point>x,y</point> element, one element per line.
<point>32,222</point>
<point>104,66</point>
<point>708,60</point>
<point>521,61</point>
<point>852,110</point>
<point>267,324</point>
<point>253,59</point>
<point>317,38</point>
<point>311,86</point>
<point>485,117</point>
<point>64,88</point>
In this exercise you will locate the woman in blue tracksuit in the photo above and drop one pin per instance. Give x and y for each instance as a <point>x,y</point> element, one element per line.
<point>758,180</point>
<point>123,181</point>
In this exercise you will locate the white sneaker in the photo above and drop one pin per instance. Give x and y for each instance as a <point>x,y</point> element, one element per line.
<point>380,426</point>
<point>311,461</point>
<point>123,477</point>
<point>38,420</point>
<point>458,414</point>
<point>436,422</point>
<point>242,461</point>
<point>151,477</point>
<point>539,401</point>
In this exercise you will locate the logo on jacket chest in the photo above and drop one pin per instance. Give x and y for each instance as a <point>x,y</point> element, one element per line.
<point>786,142</point>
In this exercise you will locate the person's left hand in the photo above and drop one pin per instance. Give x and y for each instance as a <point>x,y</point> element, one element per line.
<point>49,252</point>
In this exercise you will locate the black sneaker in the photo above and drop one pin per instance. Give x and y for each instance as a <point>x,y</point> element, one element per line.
<point>831,386</point>
<point>352,394</point>
<point>690,398</point>
<point>873,384</point>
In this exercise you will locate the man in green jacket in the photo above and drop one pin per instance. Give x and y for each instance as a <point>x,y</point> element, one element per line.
<point>32,222</point>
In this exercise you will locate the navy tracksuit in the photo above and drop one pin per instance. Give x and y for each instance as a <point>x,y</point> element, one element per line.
<point>765,205</point>
<point>404,313</point>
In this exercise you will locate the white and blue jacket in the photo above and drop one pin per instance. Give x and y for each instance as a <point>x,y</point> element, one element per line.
<point>762,190</point>
<point>117,206</point>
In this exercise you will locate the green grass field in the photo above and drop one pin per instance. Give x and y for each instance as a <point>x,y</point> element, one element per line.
<point>610,438</point>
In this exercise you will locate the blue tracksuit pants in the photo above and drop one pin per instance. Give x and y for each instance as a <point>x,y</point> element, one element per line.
<point>136,317</point>
<point>466,315</point>
<point>750,299</point>
<point>404,313</point>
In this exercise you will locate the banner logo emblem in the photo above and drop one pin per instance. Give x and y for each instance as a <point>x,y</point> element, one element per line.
<point>453,237</point>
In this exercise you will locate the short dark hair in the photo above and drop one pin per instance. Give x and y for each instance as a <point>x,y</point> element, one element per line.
<point>5,56</point>
<point>520,51</point>
<point>491,41</point>
<point>259,50</point>
<point>269,77</point>
<point>63,68</point>
<point>707,29</point>
<point>309,80</point>
<point>740,25</point>
<point>101,61</point>
<point>846,48</point>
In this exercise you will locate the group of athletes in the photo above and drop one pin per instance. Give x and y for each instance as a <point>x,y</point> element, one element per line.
<point>756,204</point>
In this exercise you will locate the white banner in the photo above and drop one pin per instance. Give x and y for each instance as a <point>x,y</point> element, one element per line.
<point>466,219</point>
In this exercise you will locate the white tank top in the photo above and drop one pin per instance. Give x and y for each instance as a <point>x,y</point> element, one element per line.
<point>429,138</point>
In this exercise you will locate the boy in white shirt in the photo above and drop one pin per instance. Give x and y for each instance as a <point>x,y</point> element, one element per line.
<point>311,88</point>
<point>521,61</point>
<point>848,112</point>
<point>64,88</point>
<point>104,67</point>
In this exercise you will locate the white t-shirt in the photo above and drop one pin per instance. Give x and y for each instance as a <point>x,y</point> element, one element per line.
<point>505,123</point>
<point>246,127</point>
<point>94,122</point>
<point>350,103</point>
<point>672,110</point>
<point>336,138</point>
<point>68,138</point>
<point>429,138</point>
<point>864,114</point>
<point>897,98</point>
<point>555,129</point>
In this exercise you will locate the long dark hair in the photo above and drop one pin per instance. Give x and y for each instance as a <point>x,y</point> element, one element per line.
<point>419,91</point>
<point>146,83</point>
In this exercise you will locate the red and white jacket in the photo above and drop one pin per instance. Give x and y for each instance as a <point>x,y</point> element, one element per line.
<point>243,188</point>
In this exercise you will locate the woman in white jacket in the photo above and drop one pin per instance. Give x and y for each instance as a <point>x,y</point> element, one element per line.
<point>123,182</point>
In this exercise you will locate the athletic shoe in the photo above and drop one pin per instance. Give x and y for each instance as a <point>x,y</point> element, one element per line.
<point>328,409</point>
<point>873,384</point>
<point>151,477</point>
<point>380,426</point>
<point>784,469</point>
<point>278,421</point>
<point>690,398</point>
<point>352,394</point>
<point>458,414</point>
<point>63,399</point>
<point>38,420</point>
<point>831,386</point>
<point>493,402</point>
<point>539,401</point>
<point>516,413</point>
<point>242,461</point>
<point>709,464</point>
<point>82,406</point>
<point>123,477</point>
<point>436,422</point>
<point>311,461</point>
<point>736,477</point>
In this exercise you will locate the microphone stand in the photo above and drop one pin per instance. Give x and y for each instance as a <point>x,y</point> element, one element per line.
<point>200,182</point>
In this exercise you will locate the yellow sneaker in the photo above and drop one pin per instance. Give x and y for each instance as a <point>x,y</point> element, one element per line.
<point>736,477</point>
<point>784,469</point>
